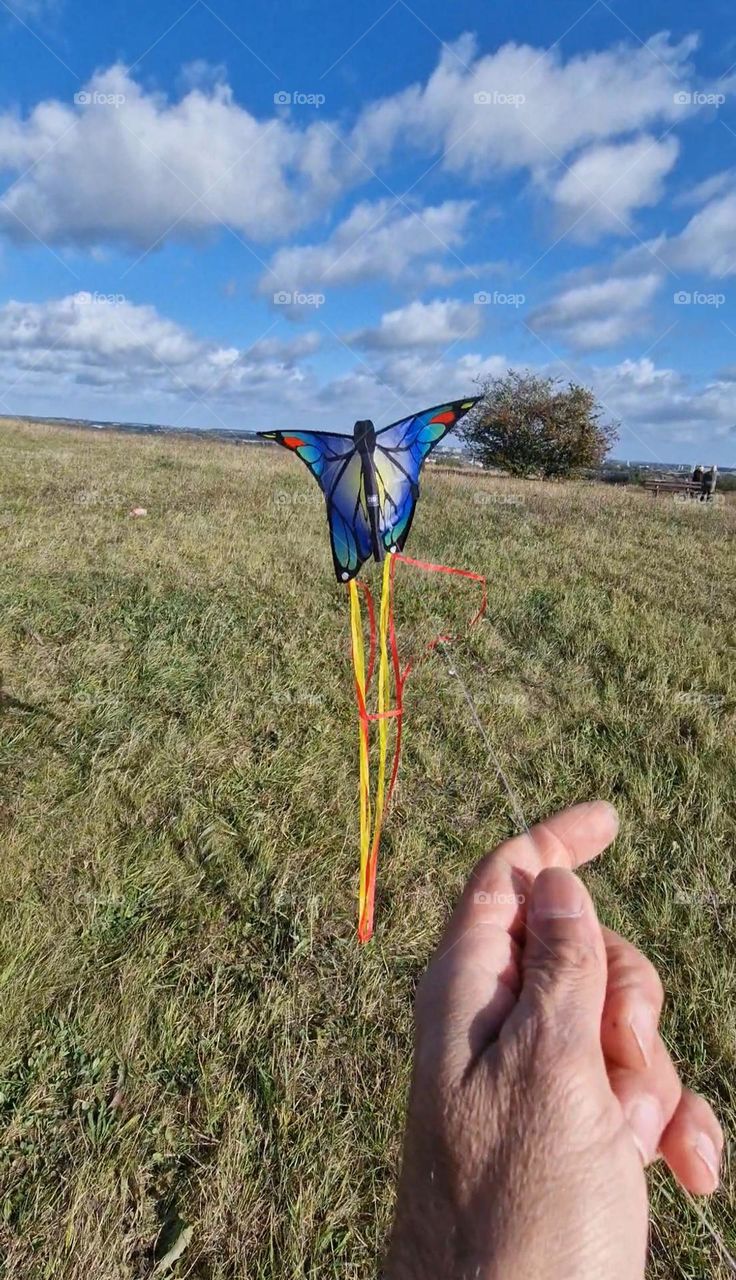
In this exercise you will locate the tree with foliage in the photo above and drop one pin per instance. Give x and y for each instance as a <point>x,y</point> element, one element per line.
<point>532,425</point>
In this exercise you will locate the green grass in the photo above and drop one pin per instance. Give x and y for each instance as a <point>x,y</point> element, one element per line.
<point>190,1037</point>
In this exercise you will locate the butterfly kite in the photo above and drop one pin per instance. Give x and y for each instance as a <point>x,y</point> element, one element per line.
<point>370,481</point>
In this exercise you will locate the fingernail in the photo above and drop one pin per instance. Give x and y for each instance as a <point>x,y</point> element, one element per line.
<point>642,1025</point>
<point>705,1149</point>
<point>556,896</point>
<point>646,1122</point>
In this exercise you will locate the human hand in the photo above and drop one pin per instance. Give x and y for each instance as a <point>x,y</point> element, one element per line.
<point>541,1085</point>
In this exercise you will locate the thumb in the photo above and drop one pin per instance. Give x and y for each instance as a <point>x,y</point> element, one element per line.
<point>564,961</point>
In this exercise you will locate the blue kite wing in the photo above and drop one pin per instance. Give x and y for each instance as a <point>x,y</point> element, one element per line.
<point>401,450</point>
<point>347,515</point>
<point>420,433</point>
<point>336,465</point>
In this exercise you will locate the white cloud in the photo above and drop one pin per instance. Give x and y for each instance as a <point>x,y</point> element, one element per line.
<point>377,241</point>
<point>708,242</point>
<point>306,344</point>
<point>706,245</point>
<point>104,358</point>
<point>404,382</point>
<point>439,323</point>
<point>662,405</point>
<point>440,275</point>
<point>113,344</point>
<point>717,184</point>
<point>659,408</point>
<point>535,109</point>
<point>603,187</point>
<point>131,167</point>
<point>600,314</point>
<point>183,167</point>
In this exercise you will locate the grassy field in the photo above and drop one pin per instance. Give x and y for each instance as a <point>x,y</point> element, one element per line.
<point>194,1051</point>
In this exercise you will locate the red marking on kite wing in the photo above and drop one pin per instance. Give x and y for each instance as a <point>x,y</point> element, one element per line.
<point>444,417</point>
<point>293,442</point>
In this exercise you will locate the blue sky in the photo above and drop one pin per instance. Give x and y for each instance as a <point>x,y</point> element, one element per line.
<point>302,214</point>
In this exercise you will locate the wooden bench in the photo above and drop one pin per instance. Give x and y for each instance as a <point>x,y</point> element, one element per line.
<point>668,484</point>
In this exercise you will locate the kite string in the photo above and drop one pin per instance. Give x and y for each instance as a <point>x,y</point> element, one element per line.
<point>358,655</point>
<point>400,677</point>
<point>442,643</point>
<point>384,711</point>
<point>715,1235</point>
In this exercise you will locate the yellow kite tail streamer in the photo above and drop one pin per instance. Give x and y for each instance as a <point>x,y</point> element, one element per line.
<point>356,628</point>
<point>368,883</point>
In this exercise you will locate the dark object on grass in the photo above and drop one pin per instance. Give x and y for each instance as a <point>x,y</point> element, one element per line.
<point>708,484</point>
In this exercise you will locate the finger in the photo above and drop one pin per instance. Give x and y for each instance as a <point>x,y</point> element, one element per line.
<point>497,889</point>
<point>661,1114</point>
<point>464,998</point>
<point>564,964</point>
<point>567,839</point>
<point>692,1145</point>
<point>649,1097</point>
<point>633,1003</point>
<point>474,978</point>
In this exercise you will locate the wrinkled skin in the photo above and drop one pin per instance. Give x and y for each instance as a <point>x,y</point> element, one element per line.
<point>541,1086</point>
